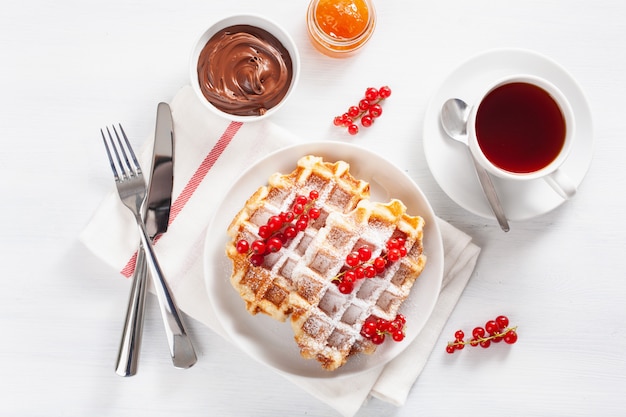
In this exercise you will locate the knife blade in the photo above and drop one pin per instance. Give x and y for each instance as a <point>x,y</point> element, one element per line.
<point>156,213</point>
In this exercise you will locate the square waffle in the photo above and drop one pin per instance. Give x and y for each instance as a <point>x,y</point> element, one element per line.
<point>266,289</point>
<point>327,326</point>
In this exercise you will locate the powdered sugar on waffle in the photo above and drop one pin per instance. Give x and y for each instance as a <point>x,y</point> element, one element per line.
<point>266,289</point>
<point>328,328</point>
<point>298,279</point>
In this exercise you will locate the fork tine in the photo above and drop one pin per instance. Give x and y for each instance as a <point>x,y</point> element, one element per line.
<point>116,150</point>
<point>130,173</point>
<point>106,146</point>
<point>137,168</point>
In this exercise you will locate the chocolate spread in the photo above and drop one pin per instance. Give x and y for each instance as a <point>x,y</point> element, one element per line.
<point>244,70</point>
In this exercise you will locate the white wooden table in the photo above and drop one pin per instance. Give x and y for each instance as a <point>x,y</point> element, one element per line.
<point>70,67</point>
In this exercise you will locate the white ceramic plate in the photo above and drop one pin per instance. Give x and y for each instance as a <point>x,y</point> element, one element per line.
<point>271,342</point>
<point>450,162</point>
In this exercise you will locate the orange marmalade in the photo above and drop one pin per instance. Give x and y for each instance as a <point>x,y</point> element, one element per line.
<point>339,27</point>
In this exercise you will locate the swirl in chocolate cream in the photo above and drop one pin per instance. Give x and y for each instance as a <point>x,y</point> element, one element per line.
<point>244,70</point>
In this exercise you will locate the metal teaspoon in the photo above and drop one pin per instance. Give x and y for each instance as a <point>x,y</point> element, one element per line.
<point>454,114</point>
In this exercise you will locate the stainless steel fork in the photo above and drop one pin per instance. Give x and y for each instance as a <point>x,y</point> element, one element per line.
<point>131,187</point>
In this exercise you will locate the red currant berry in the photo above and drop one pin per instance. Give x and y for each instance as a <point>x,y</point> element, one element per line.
<point>289,216</point>
<point>503,322</point>
<point>364,104</point>
<point>401,318</point>
<point>301,225</point>
<point>300,199</point>
<point>264,231</point>
<point>459,346</point>
<point>243,246</point>
<point>258,247</point>
<point>348,121</point>
<point>398,335</point>
<point>371,94</point>
<point>393,255</point>
<point>366,120</point>
<point>403,251</point>
<point>345,287</point>
<point>281,236</point>
<point>352,259</point>
<point>256,260</point>
<point>353,111</point>
<point>450,349</point>
<point>314,213</point>
<point>298,208</point>
<point>274,223</point>
<point>473,342</point>
<point>491,327</point>
<point>384,92</point>
<point>290,232</point>
<point>274,244</point>
<point>392,243</point>
<point>353,129</point>
<point>370,271</point>
<point>375,110</point>
<point>314,195</point>
<point>365,253</point>
<point>485,343</point>
<point>338,121</point>
<point>378,338</point>
<point>510,337</point>
<point>459,335</point>
<point>349,276</point>
<point>369,329</point>
<point>497,339</point>
<point>396,325</point>
<point>359,272</point>
<point>383,325</point>
<point>478,332</point>
<point>379,263</point>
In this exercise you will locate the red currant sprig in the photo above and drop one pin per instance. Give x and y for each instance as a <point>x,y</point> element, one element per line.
<point>375,329</point>
<point>359,264</point>
<point>494,331</point>
<point>281,229</point>
<point>368,109</point>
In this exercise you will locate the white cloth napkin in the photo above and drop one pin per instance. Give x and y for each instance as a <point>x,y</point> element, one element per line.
<point>210,153</point>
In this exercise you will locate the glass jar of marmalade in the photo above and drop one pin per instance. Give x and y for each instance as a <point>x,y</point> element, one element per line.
<point>337,28</point>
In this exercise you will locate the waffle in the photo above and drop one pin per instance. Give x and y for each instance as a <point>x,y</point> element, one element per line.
<point>297,281</point>
<point>327,324</point>
<point>266,289</point>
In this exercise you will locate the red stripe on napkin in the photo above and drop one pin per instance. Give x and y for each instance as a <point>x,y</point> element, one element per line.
<point>193,184</point>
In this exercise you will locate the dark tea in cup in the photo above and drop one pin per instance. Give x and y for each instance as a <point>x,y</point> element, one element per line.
<point>520,127</point>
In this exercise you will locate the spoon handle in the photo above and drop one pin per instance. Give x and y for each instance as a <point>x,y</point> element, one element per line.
<point>492,196</point>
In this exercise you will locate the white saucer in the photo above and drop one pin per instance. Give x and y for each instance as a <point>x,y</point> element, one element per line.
<point>450,163</point>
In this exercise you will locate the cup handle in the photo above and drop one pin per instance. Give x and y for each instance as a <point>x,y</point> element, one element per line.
<point>561,183</point>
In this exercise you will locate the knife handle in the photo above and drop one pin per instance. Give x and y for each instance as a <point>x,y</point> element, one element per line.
<point>181,348</point>
<point>130,345</point>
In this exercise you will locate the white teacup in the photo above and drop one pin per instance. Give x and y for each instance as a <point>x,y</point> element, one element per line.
<point>522,128</point>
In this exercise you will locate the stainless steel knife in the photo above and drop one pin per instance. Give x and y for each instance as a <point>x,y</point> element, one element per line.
<point>156,213</point>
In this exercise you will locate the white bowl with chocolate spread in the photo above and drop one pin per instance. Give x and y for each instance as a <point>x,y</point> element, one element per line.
<point>244,67</point>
